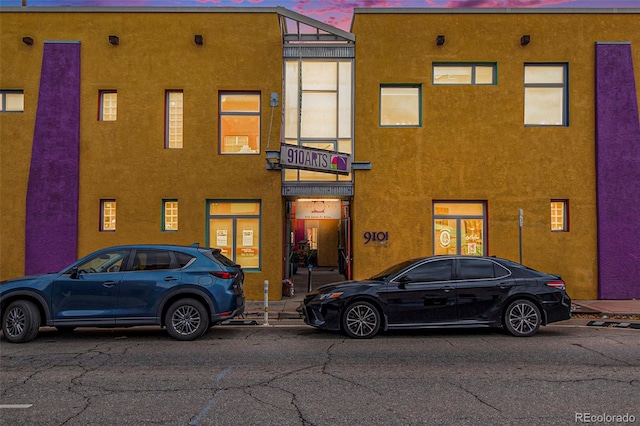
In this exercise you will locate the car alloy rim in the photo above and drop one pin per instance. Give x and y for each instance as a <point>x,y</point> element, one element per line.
<point>186,320</point>
<point>361,320</point>
<point>523,318</point>
<point>16,321</point>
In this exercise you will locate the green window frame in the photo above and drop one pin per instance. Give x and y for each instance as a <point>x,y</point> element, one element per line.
<point>234,226</point>
<point>170,215</point>
<point>239,123</point>
<point>400,105</point>
<point>476,74</point>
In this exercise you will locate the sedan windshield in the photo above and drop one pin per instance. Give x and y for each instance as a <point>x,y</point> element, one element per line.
<point>392,270</point>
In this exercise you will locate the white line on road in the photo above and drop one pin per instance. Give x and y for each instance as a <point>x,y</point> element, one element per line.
<point>15,406</point>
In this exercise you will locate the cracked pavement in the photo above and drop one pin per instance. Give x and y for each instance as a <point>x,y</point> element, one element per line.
<point>295,375</point>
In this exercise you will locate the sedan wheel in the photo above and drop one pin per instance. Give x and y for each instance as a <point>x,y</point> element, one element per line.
<point>522,318</point>
<point>186,319</point>
<point>21,321</point>
<point>361,320</point>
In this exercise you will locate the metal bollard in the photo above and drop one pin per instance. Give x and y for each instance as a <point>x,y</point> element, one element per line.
<point>266,302</point>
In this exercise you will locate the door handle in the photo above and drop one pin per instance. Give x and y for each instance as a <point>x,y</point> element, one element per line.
<point>447,288</point>
<point>504,285</point>
<point>109,283</point>
<point>170,279</point>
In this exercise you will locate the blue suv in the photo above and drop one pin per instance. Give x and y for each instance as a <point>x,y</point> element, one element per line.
<point>186,289</point>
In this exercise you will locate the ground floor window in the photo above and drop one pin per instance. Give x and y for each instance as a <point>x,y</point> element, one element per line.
<point>459,228</point>
<point>234,227</point>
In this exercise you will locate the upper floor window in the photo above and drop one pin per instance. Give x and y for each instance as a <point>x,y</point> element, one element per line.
<point>239,123</point>
<point>107,215</point>
<point>559,215</point>
<point>11,100</point>
<point>174,119</point>
<point>476,74</point>
<point>400,105</point>
<point>108,105</point>
<point>546,94</point>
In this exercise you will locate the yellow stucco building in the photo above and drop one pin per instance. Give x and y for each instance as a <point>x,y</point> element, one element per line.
<point>264,133</point>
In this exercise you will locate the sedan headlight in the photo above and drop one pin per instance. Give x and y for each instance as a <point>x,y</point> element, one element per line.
<point>331,295</point>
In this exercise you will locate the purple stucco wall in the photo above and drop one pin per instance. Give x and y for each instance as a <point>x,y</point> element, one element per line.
<point>51,230</point>
<point>618,172</point>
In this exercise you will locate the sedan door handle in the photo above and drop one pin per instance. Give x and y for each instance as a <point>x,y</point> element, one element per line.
<point>447,288</point>
<point>109,283</point>
<point>504,285</point>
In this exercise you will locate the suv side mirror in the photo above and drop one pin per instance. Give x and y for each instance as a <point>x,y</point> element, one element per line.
<point>74,273</point>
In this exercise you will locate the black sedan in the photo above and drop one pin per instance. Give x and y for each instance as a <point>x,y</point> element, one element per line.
<point>441,291</point>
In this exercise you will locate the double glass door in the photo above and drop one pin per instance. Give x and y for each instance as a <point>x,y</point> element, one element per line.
<point>459,228</point>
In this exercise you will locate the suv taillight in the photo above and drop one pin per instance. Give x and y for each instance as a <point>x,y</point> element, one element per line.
<point>224,275</point>
<point>559,284</point>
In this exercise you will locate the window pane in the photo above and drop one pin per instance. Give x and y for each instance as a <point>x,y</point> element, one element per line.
<point>476,269</point>
<point>291,100</point>
<point>543,105</point>
<point>484,75</point>
<point>452,75</point>
<point>344,101</point>
<point>170,215</point>
<point>108,106</point>
<point>248,243</point>
<point>319,115</point>
<point>150,260</point>
<point>221,236</point>
<point>471,237</point>
<point>239,123</point>
<point>104,262</point>
<point>15,101</point>
<point>234,208</point>
<point>458,209</point>
<point>174,119</point>
<point>108,220</point>
<point>558,216</point>
<point>399,106</point>
<point>543,74</point>
<point>319,75</point>
<point>439,270</point>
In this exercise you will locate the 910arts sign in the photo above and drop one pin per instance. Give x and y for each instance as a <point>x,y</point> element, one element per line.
<point>318,160</point>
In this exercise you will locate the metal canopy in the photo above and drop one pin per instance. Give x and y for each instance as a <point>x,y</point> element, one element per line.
<point>298,28</point>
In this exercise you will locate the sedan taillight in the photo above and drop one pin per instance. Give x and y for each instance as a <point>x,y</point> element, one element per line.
<point>559,284</point>
<point>224,275</point>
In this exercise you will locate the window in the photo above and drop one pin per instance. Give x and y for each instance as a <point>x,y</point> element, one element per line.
<point>174,119</point>
<point>107,215</point>
<point>11,101</point>
<point>108,105</point>
<point>169,215</point>
<point>109,261</point>
<point>239,123</point>
<point>318,111</point>
<point>150,260</point>
<point>234,228</point>
<point>559,215</point>
<point>458,228</point>
<point>439,270</point>
<point>476,74</point>
<point>545,95</point>
<point>478,269</point>
<point>400,105</point>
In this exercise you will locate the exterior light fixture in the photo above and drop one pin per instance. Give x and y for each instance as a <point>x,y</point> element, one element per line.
<point>440,40</point>
<point>114,39</point>
<point>198,39</point>
<point>28,41</point>
<point>525,39</point>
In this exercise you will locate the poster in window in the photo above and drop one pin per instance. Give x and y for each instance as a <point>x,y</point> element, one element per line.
<point>221,237</point>
<point>247,237</point>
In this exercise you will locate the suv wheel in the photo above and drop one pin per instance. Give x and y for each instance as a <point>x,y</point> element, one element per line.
<point>186,319</point>
<point>21,321</point>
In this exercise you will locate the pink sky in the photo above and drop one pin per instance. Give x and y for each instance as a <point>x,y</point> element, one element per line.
<point>334,12</point>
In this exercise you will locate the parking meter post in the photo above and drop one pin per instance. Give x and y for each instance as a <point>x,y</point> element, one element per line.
<point>266,302</point>
<point>309,279</point>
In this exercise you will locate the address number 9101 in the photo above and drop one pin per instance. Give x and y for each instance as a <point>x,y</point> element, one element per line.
<point>375,236</point>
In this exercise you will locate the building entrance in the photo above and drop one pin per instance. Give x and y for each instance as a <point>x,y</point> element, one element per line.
<point>318,232</point>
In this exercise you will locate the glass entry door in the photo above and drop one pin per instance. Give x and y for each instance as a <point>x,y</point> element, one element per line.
<point>459,228</point>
